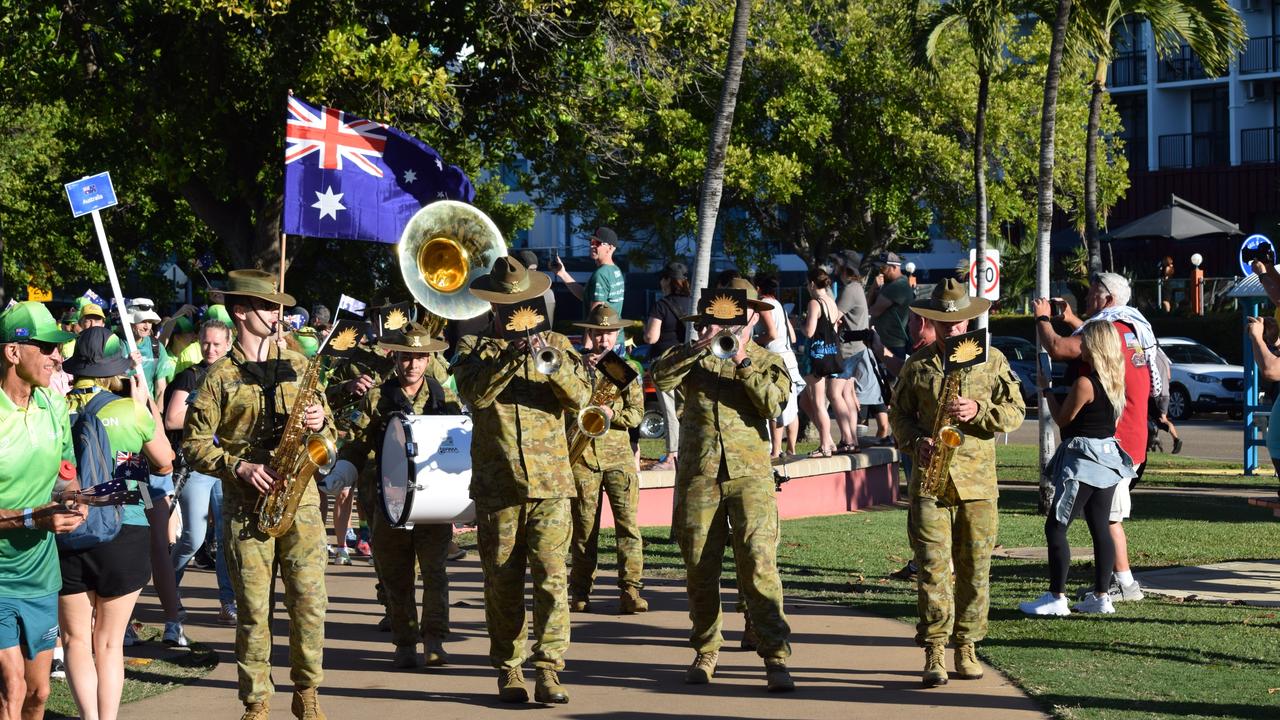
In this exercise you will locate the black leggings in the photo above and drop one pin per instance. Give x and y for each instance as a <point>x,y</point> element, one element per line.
<point>1095,505</point>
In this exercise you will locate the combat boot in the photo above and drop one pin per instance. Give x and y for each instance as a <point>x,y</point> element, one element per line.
<point>306,704</point>
<point>436,656</point>
<point>777,677</point>
<point>256,711</point>
<point>631,602</point>
<point>548,689</point>
<point>702,669</point>
<point>935,666</point>
<point>406,657</point>
<point>511,686</point>
<point>967,665</point>
<point>578,603</point>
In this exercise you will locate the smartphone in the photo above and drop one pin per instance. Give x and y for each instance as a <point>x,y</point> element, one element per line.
<point>1059,307</point>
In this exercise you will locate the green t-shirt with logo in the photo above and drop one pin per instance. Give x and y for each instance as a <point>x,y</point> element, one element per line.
<point>129,426</point>
<point>33,443</point>
<point>607,286</point>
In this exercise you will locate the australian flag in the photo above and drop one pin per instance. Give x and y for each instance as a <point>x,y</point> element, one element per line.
<point>354,179</point>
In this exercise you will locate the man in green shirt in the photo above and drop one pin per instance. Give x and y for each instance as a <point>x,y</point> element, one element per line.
<point>35,445</point>
<point>889,308</point>
<point>606,284</point>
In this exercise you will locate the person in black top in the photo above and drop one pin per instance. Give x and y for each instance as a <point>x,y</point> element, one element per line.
<point>663,330</point>
<point>1086,469</point>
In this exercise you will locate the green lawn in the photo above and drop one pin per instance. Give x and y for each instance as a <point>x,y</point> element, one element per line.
<point>1018,463</point>
<point>149,670</point>
<point>1152,659</point>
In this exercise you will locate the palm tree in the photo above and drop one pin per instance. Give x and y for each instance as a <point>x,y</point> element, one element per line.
<point>985,24</point>
<point>1211,28</point>
<point>713,175</point>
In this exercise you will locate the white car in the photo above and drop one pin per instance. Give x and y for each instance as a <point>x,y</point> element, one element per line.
<point>1202,380</point>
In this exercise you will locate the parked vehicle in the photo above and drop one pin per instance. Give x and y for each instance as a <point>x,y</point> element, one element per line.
<point>1202,381</point>
<point>1021,354</point>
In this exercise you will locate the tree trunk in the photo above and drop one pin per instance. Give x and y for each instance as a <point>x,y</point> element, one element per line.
<point>1091,166</point>
<point>1044,217</point>
<point>980,180</point>
<point>713,176</point>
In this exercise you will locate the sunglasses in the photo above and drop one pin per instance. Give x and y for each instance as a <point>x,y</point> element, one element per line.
<point>45,348</point>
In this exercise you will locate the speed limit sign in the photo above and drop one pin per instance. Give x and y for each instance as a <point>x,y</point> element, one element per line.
<point>987,283</point>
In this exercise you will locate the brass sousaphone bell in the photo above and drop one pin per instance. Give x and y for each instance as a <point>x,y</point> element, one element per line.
<point>443,247</point>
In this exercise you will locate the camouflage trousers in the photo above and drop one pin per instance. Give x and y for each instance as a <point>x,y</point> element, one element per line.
<point>947,532</point>
<point>711,513</point>
<point>536,533</point>
<point>623,489</point>
<point>399,553</point>
<point>302,557</point>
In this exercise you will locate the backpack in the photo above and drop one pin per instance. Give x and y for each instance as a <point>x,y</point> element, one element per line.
<point>95,465</point>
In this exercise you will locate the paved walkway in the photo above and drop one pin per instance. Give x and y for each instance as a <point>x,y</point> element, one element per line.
<point>1254,582</point>
<point>847,664</point>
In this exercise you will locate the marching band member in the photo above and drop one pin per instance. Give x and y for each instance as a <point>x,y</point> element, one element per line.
<point>521,480</point>
<point>607,465</point>
<point>244,402</point>
<point>410,390</point>
<point>724,487</point>
<point>959,526</point>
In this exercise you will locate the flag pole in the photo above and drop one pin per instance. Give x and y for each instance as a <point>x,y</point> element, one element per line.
<point>121,310</point>
<point>280,323</point>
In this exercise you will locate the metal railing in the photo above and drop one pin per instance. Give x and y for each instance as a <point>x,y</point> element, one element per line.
<point>1259,145</point>
<point>1261,54</point>
<point>1127,69</point>
<point>1188,150</point>
<point>1182,66</point>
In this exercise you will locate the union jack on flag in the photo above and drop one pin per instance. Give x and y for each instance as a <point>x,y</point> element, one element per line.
<point>350,178</point>
<point>330,134</point>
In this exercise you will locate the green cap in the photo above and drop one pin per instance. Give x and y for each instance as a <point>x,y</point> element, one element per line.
<point>219,312</point>
<point>28,321</point>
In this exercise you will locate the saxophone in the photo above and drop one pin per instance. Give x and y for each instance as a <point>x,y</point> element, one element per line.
<point>946,438</point>
<point>298,456</point>
<point>592,421</point>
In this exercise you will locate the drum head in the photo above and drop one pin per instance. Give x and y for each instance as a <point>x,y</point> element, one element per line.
<point>397,470</point>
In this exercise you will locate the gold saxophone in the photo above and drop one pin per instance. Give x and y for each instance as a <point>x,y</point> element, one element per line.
<point>298,456</point>
<point>946,438</point>
<point>592,421</point>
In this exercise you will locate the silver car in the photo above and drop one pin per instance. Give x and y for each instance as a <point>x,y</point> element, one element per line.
<point>1202,381</point>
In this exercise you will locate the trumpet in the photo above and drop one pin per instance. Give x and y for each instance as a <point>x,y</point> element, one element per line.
<point>725,344</point>
<point>546,359</point>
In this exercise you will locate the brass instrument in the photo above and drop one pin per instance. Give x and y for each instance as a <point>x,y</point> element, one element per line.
<point>444,246</point>
<point>592,421</point>
<point>946,438</point>
<point>725,344</point>
<point>547,359</point>
<point>298,456</point>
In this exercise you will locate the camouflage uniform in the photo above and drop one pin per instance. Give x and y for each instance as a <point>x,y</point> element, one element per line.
<point>725,489</point>
<point>959,527</point>
<point>522,484</point>
<point>235,405</point>
<point>395,549</point>
<point>608,465</point>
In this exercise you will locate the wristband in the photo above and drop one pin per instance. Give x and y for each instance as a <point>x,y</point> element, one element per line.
<point>1043,318</point>
<point>28,519</point>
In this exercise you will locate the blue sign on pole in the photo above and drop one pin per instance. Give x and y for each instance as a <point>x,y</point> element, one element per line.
<point>1256,247</point>
<point>90,193</point>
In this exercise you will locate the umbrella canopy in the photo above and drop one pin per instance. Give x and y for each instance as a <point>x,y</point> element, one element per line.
<point>1178,221</point>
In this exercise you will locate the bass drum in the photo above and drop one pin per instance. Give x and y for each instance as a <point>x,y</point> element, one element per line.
<point>426,470</point>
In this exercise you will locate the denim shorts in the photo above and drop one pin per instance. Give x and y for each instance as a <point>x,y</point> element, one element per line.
<point>29,622</point>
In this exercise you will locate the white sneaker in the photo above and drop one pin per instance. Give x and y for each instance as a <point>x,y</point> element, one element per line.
<point>1120,592</point>
<point>1095,604</point>
<point>58,670</point>
<point>1046,604</point>
<point>174,636</point>
<point>342,557</point>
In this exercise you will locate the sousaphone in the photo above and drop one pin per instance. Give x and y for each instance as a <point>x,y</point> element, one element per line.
<point>443,248</point>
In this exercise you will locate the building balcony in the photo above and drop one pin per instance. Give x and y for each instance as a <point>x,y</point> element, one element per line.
<point>1194,150</point>
<point>1260,145</point>
<point>1128,69</point>
<point>1260,55</point>
<point>1184,65</point>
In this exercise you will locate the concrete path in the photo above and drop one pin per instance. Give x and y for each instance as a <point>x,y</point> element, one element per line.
<point>847,664</point>
<point>1255,582</point>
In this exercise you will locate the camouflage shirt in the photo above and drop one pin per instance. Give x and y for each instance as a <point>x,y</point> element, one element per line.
<point>613,450</point>
<point>518,446</point>
<point>368,422</point>
<point>1000,409</point>
<point>725,408</point>
<point>239,414</point>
